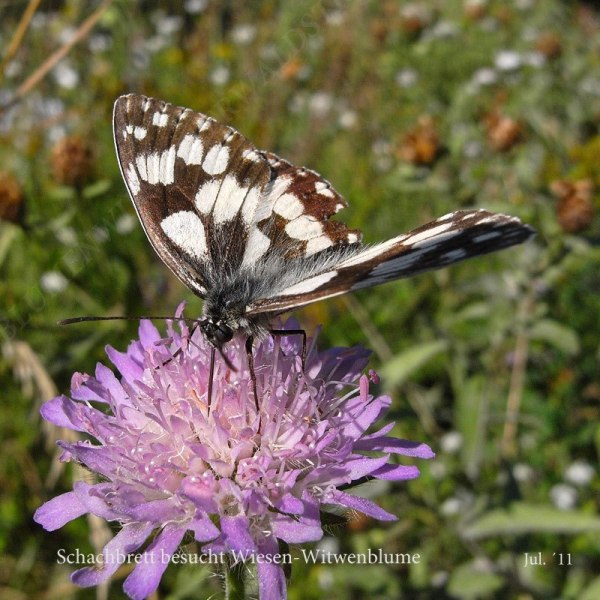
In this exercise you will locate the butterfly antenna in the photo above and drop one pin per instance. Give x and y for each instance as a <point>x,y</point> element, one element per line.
<point>249,345</point>
<point>73,320</point>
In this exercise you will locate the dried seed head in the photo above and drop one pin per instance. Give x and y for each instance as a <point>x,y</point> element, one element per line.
<point>574,209</point>
<point>11,197</point>
<point>549,44</point>
<point>420,145</point>
<point>503,132</point>
<point>72,161</point>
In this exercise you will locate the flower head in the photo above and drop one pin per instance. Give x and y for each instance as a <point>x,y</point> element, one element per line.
<point>238,479</point>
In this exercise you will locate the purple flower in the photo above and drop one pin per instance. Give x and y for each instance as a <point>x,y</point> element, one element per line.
<point>237,479</point>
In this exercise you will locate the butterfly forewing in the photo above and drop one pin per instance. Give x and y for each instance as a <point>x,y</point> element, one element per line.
<point>213,205</point>
<point>177,167</point>
<point>251,233</point>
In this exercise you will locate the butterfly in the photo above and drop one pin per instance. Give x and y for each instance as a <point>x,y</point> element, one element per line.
<point>251,233</point>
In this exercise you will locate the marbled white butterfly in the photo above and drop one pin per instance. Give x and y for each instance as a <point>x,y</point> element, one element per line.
<point>250,233</point>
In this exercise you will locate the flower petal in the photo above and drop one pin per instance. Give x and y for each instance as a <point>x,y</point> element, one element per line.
<point>163,510</point>
<point>360,415</point>
<point>296,530</point>
<point>204,529</point>
<point>147,574</point>
<point>395,446</point>
<point>112,385</point>
<point>56,411</point>
<point>129,368</point>
<point>363,505</point>
<point>271,578</point>
<point>237,533</point>
<point>380,433</point>
<point>101,459</point>
<point>129,539</point>
<point>361,467</point>
<point>93,498</point>
<point>396,472</point>
<point>288,503</point>
<point>60,510</point>
<point>148,333</point>
<point>84,387</point>
<point>304,528</point>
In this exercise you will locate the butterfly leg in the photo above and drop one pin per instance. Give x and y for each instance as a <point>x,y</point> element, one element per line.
<point>249,344</point>
<point>211,376</point>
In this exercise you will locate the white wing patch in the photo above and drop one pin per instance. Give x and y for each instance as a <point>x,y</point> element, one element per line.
<point>250,205</point>
<point>418,240</point>
<point>133,181</point>
<point>323,189</point>
<point>371,252</point>
<point>257,245</point>
<point>304,227</point>
<point>404,261</point>
<point>206,196</point>
<point>160,119</point>
<point>272,191</point>
<point>229,200</point>
<point>216,160</point>
<point>288,206</point>
<point>157,168</point>
<point>186,231</point>
<point>308,285</point>
<point>190,150</point>
<point>484,237</point>
<point>317,244</point>
<point>454,255</point>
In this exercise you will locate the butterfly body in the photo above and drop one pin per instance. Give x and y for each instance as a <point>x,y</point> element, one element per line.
<point>251,234</point>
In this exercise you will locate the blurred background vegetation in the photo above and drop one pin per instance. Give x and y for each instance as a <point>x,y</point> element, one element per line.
<point>411,110</point>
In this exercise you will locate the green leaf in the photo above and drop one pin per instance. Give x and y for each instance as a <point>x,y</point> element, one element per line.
<point>556,334</point>
<point>97,188</point>
<point>471,312</point>
<point>592,592</point>
<point>398,369</point>
<point>522,518</point>
<point>8,234</point>
<point>471,414</point>
<point>470,581</point>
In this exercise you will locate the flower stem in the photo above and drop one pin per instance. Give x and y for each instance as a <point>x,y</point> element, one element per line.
<point>234,581</point>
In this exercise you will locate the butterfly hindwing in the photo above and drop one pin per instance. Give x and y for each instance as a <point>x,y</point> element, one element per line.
<point>447,240</point>
<point>301,203</point>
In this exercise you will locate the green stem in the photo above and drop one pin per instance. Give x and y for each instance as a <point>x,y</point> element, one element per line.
<point>234,581</point>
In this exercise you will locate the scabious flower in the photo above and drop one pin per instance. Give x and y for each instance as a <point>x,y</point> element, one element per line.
<point>237,479</point>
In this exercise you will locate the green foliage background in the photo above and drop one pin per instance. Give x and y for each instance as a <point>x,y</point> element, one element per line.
<point>494,362</point>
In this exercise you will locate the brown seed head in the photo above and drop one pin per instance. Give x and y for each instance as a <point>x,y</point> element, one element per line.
<point>503,132</point>
<point>11,197</point>
<point>574,209</point>
<point>420,145</point>
<point>72,161</point>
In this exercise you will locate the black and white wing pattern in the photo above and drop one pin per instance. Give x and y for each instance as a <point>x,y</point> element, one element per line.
<point>454,237</point>
<point>193,182</point>
<point>251,233</point>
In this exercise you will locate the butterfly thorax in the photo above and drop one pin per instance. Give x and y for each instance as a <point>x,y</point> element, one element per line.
<point>224,309</point>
